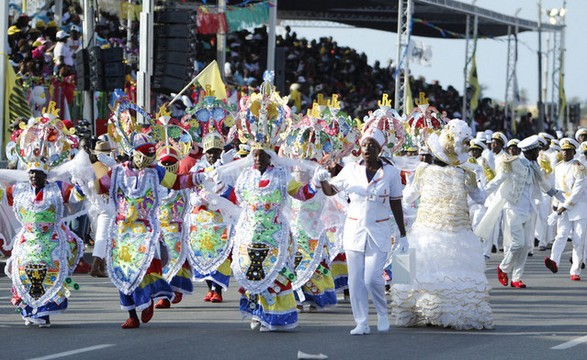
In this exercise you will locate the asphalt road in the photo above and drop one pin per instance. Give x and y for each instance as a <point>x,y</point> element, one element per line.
<point>544,321</point>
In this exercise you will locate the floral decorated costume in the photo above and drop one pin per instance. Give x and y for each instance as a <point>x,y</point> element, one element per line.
<point>172,210</point>
<point>45,251</point>
<point>209,240</point>
<point>263,253</point>
<point>312,262</point>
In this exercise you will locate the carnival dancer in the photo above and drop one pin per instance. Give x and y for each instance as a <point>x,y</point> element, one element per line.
<point>133,259</point>
<point>263,251</point>
<point>45,251</point>
<point>173,207</point>
<point>374,188</point>
<point>449,288</point>
<point>209,240</point>
<point>102,212</point>
<point>517,188</point>
<point>571,180</point>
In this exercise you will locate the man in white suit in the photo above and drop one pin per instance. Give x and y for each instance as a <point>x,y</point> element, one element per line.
<point>571,180</point>
<point>517,187</point>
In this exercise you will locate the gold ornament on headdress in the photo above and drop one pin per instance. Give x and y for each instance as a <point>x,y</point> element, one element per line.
<point>385,101</point>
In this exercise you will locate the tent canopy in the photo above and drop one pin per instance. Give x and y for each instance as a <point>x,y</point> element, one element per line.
<point>432,18</point>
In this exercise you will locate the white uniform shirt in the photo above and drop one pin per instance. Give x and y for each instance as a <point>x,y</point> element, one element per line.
<point>369,213</point>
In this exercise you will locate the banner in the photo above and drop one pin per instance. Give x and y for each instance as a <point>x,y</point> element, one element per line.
<point>211,76</point>
<point>474,83</point>
<point>420,53</point>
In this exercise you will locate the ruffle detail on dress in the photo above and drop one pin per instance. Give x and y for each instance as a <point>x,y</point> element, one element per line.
<point>450,287</point>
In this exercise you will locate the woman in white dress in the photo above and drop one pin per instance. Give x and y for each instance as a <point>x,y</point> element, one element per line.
<point>450,288</point>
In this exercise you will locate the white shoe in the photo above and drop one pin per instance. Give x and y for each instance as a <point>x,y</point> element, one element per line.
<point>264,329</point>
<point>383,323</point>
<point>255,324</point>
<point>361,330</point>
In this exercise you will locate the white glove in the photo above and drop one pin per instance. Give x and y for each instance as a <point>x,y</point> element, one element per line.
<point>559,196</point>
<point>400,244</point>
<point>321,174</point>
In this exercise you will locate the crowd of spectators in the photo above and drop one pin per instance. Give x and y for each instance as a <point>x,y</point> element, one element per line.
<point>42,53</point>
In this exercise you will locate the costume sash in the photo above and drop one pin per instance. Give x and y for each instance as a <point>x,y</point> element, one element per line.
<point>307,230</point>
<point>40,256</point>
<point>262,238</point>
<point>171,214</point>
<point>135,231</point>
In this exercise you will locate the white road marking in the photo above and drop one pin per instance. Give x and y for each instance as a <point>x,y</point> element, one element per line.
<point>73,352</point>
<point>570,344</point>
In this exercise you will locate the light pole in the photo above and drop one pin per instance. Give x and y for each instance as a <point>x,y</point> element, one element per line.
<point>540,104</point>
<point>557,16</point>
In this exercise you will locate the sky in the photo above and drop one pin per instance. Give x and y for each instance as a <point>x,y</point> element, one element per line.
<point>448,57</point>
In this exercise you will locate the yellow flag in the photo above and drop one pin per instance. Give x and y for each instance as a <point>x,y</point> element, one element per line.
<point>409,105</point>
<point>474,83</point>
<point>10,82</point>
<point>562,97</point>
<point>211,76</point>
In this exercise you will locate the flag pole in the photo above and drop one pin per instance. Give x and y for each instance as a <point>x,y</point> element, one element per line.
<point>190,83</point>
<point>3,64</point>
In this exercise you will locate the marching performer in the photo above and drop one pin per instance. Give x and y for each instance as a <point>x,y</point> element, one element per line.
<point>45,251</point>
<point>516,188</point>
<point>571,179</point>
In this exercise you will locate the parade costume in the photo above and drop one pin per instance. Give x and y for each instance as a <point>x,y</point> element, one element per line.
<point>46,251</point>
<point>571,215</point>
<point>263,251</point>
<point>133,254</point>
<point>210,222</point>
<point>173,208</point>
<point>449,288</point>
<point>516,189</point>
<point>323,135</point>
<point>210,216</point>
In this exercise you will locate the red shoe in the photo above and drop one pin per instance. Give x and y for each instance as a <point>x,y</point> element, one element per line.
<point>502,277</point>
<point>163,304</point>
<point>131,323</point>
<point>575,277</point>
<point>551,265</point>
<point>209,295</point>
<point>216,298</point>
<point>177,298</point>
<point>518,284</point>
<point>147,314</point>
<point>82,267</point>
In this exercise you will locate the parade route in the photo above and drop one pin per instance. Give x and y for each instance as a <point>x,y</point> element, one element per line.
<point>546,320</point>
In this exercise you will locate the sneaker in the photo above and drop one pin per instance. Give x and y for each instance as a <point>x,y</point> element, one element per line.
<point>216,297</point>
<point>208,296</point>
<point>518,284</point>
<point>255,324</point>
<point>360,330</point>
<point>177,299</point>
<point>502,276</point>
<point>383,323</point>
<point>551,265</point>
<point>264,328</point>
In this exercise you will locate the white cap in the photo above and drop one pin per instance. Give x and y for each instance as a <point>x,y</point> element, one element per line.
<point>529,143</point>
<point>61,35</point>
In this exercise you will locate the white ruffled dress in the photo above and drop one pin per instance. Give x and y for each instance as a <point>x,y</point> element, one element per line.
<point>450,287</point>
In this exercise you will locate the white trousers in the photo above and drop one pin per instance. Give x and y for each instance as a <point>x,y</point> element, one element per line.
<point>518,239</point>
<point>494,240</point>
<point>564,229</point>
<point>366,276</point>
<point>102,234</point>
